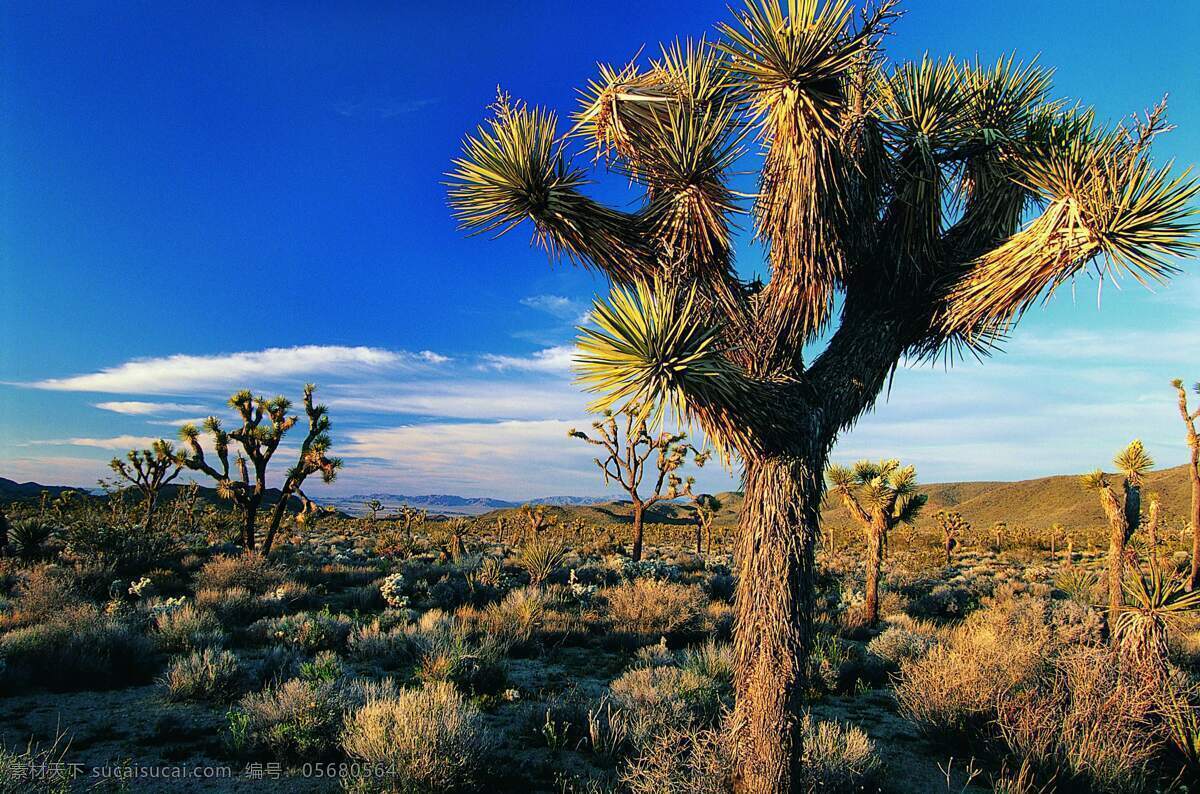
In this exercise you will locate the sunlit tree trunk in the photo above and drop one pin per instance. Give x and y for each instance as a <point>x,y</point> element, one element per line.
<point>875,537</point>
<point>639,512</point>
<point>777,534</point>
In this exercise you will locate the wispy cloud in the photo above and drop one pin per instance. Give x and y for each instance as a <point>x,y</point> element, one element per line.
<point>141,408</point>
<point>115,442</point>
<point>558,359</point>
<point>182,373</point>
<point>572,311</point>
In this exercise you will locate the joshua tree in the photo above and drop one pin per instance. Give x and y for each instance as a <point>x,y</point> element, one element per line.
<point>373,507</point>
<point>412,518</point>
<point>628,445</point>
<point>536,519</point>
<point>1193,441</point>
<point>149,470</point>
<point>264,424</point>
<point>879,496</point>
<point>3,532</point>
<point>953,527</point>
<point>905,189</point>
<point>705,507</point>
<point>1124,515</point>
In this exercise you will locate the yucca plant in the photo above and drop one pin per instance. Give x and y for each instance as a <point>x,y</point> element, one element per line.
<point>1157,601</point>
<point>953,527</point>
<point>903,188</point>
<point>878,496</point>
<point>1078,584</point>
<point>28,536</point>
<point>539,557</point>
<point>1124,515</point>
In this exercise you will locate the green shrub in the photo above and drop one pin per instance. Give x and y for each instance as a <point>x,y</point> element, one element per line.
<point>294,720</point>
<point>310,631</point>
<point>655,699</point>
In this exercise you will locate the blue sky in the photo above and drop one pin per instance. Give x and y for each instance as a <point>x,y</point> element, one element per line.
<point>200,197</point>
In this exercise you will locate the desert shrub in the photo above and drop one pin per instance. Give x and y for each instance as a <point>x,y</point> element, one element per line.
<point>430,739</point>
<point>209,674</point>
<point>516,618</point>
<point>117,547</point>
<point>374,642</point>
<point>249,571</point>
<point>837,757</point>
<point>655,699</point>
<point>233,605</point>
<point>899,643</point>
<point>187,628</point>
<point>81,648</point>
<point>835,664</point>
<point>298,719</point>
<point>1088,718</point>
<point>685,760</point>
<point>710,659</point>
<point>43,593</point>
<point>310,631</point>
<point>448,656</point>
<point>654,607</point>
<point>956,685</point>
<point>279,663</point>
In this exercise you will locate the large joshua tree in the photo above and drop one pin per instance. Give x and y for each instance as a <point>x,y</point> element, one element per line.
<point>264,424</point>
<point>938,200</point>
<point>878,496</point>
<point>1193,442</point>
<point>1124,515</point>
<point>149,470</point>
<point>628,445</point>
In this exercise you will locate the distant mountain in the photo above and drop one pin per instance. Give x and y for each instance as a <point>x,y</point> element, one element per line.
<point>13,491</point>
<point>449,504</point>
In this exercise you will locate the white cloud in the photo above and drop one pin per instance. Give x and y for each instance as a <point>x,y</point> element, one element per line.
<point>558,306</point>
<point>140,408</point>
<point>557,359</point>
<point>116,442</point>
<point>475,398</point>
<point>180,373</point>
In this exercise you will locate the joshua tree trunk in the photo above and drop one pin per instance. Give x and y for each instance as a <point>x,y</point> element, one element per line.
<point>776,536</point>
<point>639,512</point>
<point>875,540</point>
<point>699,539</point>
<point>148,521</point>
<point>1194,470</point>
<point>250,518</point>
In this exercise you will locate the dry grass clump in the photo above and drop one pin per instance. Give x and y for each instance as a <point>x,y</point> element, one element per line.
<point>653,607</point>
<point>209,674</point>
<point>379,642</point>
<point>42,593</point>
<point>837,757</point>
<point>250,571</point>
<point>955,686</point>
<point>429,739</point>
<point>1088,717</point>
<point>187,628</point>
<point>685,760</point>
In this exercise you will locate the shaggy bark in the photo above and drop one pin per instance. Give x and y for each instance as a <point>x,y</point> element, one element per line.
<point>776,537</point>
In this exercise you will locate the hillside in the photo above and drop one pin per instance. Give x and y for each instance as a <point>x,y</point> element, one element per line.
<point>1035,503</point>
